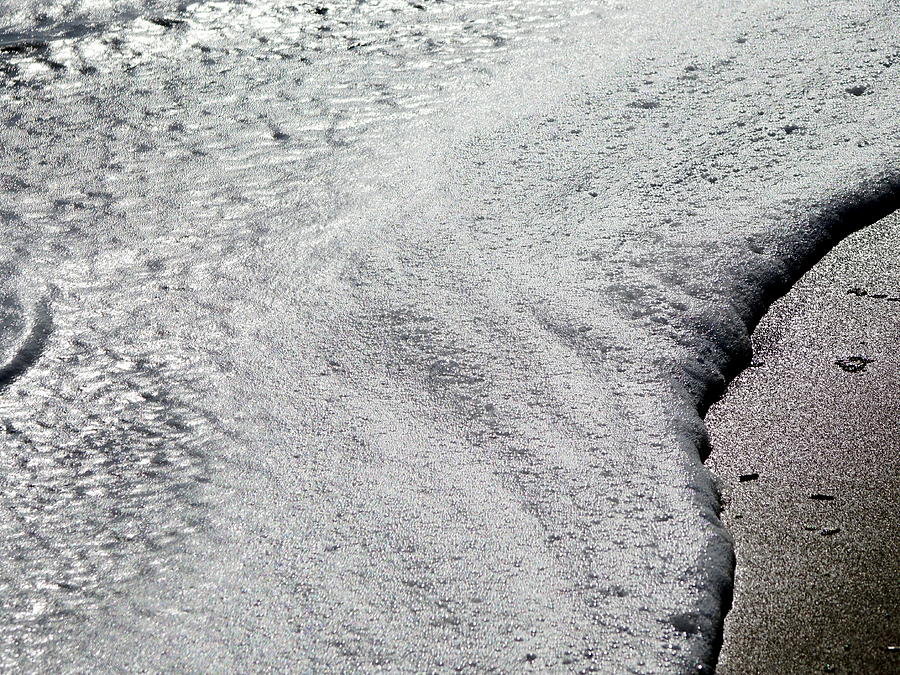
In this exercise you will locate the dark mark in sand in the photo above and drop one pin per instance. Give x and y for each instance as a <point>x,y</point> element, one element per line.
<point>854,364</point>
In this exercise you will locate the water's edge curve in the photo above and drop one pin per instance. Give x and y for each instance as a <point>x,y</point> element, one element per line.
<point>834,218</point>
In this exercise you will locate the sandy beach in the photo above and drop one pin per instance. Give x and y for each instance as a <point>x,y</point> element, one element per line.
<point>806,443</point>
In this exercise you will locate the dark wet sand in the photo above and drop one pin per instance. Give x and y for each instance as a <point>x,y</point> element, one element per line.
<point>817,584</point>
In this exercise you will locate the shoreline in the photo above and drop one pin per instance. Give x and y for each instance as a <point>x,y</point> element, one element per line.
<point>809,487</point>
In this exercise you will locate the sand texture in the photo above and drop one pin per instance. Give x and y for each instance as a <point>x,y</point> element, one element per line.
<point>807,445</point>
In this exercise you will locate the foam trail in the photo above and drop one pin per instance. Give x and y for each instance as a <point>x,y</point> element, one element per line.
<point>438,360</point>
<point>31,347</point>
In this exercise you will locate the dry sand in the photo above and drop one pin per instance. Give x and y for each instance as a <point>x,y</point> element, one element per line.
<point>818,419</point>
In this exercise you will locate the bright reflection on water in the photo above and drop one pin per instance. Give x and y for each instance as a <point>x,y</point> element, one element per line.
<point>142,162</point>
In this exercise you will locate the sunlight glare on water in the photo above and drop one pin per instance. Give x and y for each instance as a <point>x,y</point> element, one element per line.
<point>147,149</point>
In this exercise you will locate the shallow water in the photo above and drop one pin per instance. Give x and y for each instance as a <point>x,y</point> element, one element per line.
<point>149,150</point>
<point>375,336</point>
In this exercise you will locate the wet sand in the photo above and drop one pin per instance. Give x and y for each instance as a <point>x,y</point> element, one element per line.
<point>807,446</point>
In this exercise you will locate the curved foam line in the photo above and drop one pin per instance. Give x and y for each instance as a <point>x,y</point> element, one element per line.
<point>836,219</point>
<point>31,348</point>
